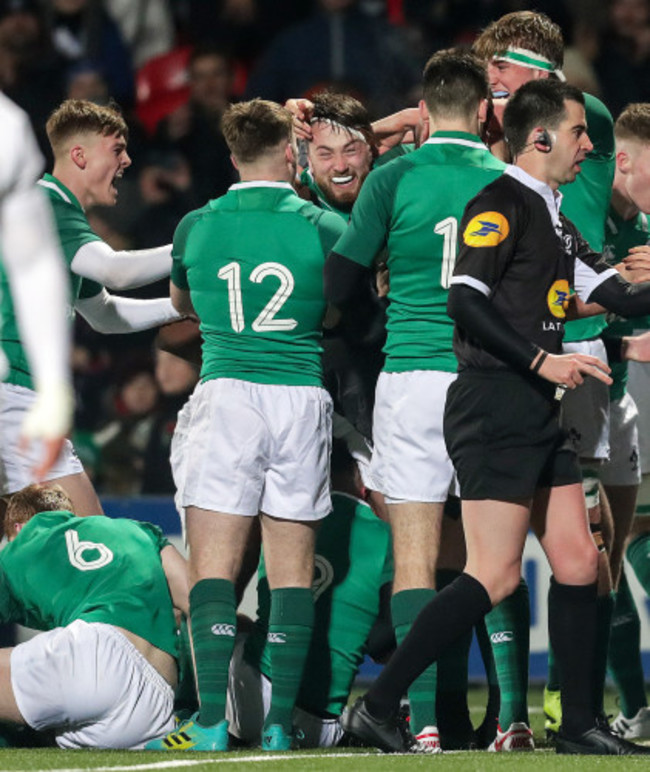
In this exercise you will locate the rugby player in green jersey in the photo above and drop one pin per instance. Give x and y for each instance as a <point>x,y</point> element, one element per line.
<point>102,674</point>
<point>89,146</point>
<point>254,438</point>
<point>411,207</point>
<point>626,239</point>
<point>520,47</point>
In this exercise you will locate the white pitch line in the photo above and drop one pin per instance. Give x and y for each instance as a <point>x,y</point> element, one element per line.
<point>207,759</point>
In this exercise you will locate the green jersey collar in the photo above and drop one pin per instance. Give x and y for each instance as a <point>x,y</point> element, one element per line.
<point>65,194</point>
<point>456,138</point>
<point>262,184</point>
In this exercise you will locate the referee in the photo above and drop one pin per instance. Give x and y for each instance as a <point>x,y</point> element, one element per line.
<point>517,261</point>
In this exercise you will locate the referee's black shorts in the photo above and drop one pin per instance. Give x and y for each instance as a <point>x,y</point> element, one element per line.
<point>503,435</point>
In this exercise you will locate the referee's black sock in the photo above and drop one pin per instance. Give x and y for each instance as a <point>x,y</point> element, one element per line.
<point>450,614</point>
<point>572,630</point>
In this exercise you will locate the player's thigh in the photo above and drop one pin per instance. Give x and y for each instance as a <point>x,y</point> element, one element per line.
<point>18,462</point>
<point>410,460</point>
<point>585,410</point>
<point>91,686</point>
<point>225,445</point>
<point>296,478</point>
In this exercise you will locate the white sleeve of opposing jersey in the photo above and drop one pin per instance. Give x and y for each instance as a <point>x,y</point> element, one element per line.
<point>122,270</point>
<point>108,313</point>
<point>39,285</point>
<point>587,278</point>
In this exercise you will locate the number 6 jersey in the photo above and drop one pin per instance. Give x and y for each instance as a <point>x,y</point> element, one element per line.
<point>253,263</point>
<point>60,568</point>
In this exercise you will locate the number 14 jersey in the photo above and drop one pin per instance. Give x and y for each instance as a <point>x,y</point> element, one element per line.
<point>253,263</point>
<point>412,206</point>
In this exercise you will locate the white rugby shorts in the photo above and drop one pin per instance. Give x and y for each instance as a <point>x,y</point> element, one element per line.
<point>623,467</point>
<point>410,460</point>
<point>639,387</point>
<point>89,684</point>
<point>241,448</point>
<point>17,464</point>
<point>585,410</point>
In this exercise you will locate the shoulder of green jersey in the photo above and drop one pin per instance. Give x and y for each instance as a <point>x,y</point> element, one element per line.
<point>56,189</point>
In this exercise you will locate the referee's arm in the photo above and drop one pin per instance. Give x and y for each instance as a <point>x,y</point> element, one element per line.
<point>472,311</point>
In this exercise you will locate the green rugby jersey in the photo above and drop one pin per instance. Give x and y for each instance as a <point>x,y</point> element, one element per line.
<point>253,263</point>
<point>60,568</point>
<point>412,206</point>
<point>586,200</point>
<point>353,561</point>
<point>74,231</point>
<point>620,236</point>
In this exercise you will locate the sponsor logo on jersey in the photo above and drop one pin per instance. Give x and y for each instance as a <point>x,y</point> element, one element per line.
<point>276,637</point>
<point>558,298</point>
<point>568,243</point>
<point>223,629</point>
<point>486,230</point>
<point>505,636</point>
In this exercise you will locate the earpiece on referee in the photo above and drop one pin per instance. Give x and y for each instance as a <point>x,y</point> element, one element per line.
<point>543,141</point>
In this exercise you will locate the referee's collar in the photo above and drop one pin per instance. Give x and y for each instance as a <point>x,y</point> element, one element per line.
<point>552,198</point>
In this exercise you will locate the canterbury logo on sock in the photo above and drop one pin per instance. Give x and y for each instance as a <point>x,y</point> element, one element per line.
<point>221,629</point>
<point>505,636</point>
<point>276,637</point>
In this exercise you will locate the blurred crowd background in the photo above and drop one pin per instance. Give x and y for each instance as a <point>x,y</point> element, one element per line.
<point>173,66</point>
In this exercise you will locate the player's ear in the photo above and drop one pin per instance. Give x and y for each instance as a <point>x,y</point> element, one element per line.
<point>233,161</point>
<point>623,161</point>
<point>422,108</point>
<point>483,110</point>
<point>289,153</point>
<point>78,156</point>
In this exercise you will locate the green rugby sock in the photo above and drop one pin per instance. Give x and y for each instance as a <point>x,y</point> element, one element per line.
<point>624,658</point>
<point>604,611</point>
<point>508,625</point>
<point>214,626</point>
<point>405,606</point>
<point>291,622</point>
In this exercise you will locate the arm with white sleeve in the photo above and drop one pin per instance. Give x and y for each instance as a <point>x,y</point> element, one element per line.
<point>38,280</point>
<point>122,270</point>
<point>108,313</point>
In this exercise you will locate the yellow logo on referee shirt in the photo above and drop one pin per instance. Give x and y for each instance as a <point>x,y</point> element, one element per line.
<point>486,230</point>
<point>558,298</point>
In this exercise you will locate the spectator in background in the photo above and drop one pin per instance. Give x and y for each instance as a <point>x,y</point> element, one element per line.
<point>623,62</point>
<point>32,72</point>
<point>86,80</point>
<point>147,26</point>
<point>165,186</point>
<point>194,130</point>
<point>81,29</point>
<point>122,441</point>
<point>339,44</point>
<point>243,26</point>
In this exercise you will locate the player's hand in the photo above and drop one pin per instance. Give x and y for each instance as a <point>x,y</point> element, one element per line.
<point>48,420</point>
<point>382,280</point>
<point>403,126</point>
<point>301,109</point>
<point>636,348</point>
<point>637,264</point>
<point>569,370</point>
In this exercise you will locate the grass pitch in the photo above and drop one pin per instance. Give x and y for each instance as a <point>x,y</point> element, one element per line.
<point>544,758</point>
